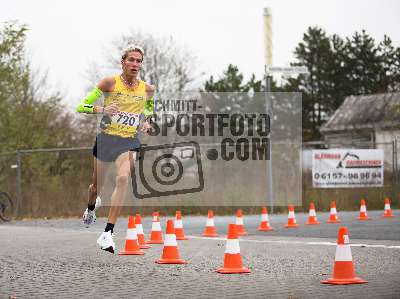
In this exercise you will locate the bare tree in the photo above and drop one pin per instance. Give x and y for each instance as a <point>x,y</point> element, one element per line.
<point>168,66</point>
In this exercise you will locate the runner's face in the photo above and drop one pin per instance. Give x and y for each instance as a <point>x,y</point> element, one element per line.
<point>132,63</point>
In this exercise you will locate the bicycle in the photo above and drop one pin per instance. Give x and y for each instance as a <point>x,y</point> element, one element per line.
<point>6,207</point>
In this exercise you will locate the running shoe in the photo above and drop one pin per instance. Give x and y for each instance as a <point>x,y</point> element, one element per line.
<point>106,242</point>
<point>89,217</point>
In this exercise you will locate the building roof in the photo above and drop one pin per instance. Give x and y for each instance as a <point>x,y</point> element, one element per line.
<point>365,112</point>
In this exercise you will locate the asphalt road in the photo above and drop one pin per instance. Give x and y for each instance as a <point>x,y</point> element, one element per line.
<point>60,259</point>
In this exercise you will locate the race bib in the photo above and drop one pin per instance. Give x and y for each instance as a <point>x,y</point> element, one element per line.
<point>125,119</point>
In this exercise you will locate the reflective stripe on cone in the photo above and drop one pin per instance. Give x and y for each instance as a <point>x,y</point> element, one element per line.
<point>140,233</point>
<point>170,251</point>
<point>232,258</point>
<point>312,215</point>
<point>239,223</point>
<point>343,270</point>
<point>291,218</point>
<point>131,242</point>
<point>387,212</point>
<point>156,234</point>
<point>264,223</point>
<point>210,230</point>
<point>363,211</point>
<point>333,218</point>
<point>179,232</point>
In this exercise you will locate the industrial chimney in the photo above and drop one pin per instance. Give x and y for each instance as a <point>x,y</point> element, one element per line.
<point>268,36</point>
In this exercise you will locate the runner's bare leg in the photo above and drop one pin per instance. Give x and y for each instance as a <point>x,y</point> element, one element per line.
<point>99,172</point>
<point>123,164</point>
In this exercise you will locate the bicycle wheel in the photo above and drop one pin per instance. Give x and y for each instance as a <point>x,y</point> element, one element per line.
<point>6,207</point>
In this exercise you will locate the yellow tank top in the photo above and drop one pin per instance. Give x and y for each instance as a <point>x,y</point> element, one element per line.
<point>131,102</point>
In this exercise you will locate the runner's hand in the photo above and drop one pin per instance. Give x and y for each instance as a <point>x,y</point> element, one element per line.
<point>111,109</point>
<point>146,127</point>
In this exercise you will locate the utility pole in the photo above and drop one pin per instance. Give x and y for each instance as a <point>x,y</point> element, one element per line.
<point>268,100</point>
<point>269,70</point>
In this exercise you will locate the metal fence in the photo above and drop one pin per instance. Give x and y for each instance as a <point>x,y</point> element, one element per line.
<point>51,182</point>
<point>46,182</point>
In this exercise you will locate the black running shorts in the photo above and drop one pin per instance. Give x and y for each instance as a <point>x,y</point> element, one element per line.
<point>107,148</point>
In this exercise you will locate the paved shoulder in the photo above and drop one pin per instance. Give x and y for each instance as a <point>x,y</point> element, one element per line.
<point>43,262</point>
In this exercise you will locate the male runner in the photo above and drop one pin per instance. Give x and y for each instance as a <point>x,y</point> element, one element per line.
<point>127,99</point>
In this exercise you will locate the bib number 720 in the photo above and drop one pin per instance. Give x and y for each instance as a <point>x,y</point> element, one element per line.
<point>126,119</point>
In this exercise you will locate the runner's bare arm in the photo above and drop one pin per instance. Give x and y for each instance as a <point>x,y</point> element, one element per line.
<point>86,105</point>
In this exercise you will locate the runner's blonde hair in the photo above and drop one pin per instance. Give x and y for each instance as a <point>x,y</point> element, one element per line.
<point>131,48</point>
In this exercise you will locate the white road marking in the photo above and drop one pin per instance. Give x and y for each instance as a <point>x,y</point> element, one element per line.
<point>317,243</point>
<point>300,242</point>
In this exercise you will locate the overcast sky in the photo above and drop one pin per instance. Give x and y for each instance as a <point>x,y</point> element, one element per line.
<point>66,35</point>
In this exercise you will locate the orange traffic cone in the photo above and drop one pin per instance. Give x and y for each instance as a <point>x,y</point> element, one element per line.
<point>239,223</point>
<point>210,230</point>
<point>312,216</point>
<point>131,242</point>
<point>140,234</point>
<point>343,270</point>
<point>333,218</point>
<point>264,224</point>
<point>156,234</point>
<point>180,234</point>
<point>387,212</point>
<point>291,218</point>
<point>232,258</point>
<point>363,211</point>
<point>170,252</point>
